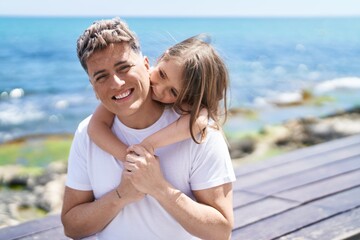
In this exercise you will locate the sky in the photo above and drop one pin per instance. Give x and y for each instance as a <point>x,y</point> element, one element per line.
<point>187,8</point>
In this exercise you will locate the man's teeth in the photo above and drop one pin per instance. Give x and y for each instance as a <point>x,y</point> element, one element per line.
<point>123,95</point>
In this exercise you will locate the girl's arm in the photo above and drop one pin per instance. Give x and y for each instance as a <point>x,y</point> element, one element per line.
<point>176,132</point>
<point>100,132</point>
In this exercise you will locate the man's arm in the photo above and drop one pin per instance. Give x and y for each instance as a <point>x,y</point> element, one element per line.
<point>82,216</point>
<point>210,217</point>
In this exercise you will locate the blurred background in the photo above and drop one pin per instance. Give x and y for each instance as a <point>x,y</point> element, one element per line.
<point>287,60</point>
<point>276,53</point>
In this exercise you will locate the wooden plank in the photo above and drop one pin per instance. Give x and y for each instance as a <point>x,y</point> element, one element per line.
<point>259,210</point>
<point>322,188</point>
<point>281,224</point>
<point>241,198</point>
<point>341,227</point>
<point>340,202</point>
<point>300,217</point>
<point>295,167</point>
<point>306,177</point>
<point>299,154</point>
<point>54,233</point>
<point>31,227</point>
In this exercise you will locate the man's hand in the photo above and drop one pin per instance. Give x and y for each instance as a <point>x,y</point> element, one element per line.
<point>127,191</point>
<point>143,169</point>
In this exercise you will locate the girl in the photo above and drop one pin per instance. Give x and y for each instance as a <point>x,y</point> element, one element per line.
<point>192,78</point>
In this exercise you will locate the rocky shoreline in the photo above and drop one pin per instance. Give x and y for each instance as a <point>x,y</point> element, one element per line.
<point>25,196</point>
<point>294,134</point>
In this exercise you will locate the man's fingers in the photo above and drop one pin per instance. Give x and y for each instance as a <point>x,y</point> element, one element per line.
<point>129,166</point>
<point>132,157</point>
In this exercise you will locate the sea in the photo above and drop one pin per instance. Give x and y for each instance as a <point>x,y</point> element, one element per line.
<point>271,62</point>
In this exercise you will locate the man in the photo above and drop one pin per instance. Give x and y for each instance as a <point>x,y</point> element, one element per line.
<point>183,193</point>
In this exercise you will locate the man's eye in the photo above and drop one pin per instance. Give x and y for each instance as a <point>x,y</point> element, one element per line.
<point>100,78</point>
<point>125,68</point>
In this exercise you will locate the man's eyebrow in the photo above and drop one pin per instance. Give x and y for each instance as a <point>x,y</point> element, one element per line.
<point>98,72</point>
<point>120,63</point>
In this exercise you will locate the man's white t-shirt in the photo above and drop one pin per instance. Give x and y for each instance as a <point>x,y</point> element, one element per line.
<point>186,165</point>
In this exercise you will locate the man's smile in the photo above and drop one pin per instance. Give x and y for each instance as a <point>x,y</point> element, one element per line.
<point>123,95</point>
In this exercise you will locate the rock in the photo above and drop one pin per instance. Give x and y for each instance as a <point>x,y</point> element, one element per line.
<point>295,134</point>
<point>52,171</point>
<point>11,174</point>
<point>241,148</point>
<point>51,195</point>
<point>44,192</point>
<point>335,128</point>
<point>11,203</point>
<point>57,168</point>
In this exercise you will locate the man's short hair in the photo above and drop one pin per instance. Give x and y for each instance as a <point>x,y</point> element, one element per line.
<point>101,34</point>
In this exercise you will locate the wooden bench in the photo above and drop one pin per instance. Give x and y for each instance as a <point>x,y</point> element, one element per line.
<point>310,193</point>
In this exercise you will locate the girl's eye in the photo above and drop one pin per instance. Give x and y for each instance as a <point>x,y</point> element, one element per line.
<point>162,75</point>
<point>174,92</point>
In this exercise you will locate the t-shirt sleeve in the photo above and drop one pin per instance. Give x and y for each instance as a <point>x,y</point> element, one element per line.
<point>212,165</point>
<point>77,176</point>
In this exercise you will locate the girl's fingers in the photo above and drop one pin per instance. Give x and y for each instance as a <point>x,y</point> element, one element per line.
<point>137,149</point>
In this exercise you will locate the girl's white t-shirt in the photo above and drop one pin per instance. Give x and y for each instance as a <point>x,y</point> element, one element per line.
<point>186,165</point>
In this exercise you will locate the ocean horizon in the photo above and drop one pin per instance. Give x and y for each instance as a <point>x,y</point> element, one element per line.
<point>43,88</point>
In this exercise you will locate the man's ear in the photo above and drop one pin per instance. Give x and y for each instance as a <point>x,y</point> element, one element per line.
<point>92,85</point>
<point>146,62</point>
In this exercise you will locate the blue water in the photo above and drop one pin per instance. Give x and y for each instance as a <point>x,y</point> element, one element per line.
<point>44,89</point>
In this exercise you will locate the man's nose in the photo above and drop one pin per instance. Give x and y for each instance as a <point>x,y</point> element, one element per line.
<point>117,82</point>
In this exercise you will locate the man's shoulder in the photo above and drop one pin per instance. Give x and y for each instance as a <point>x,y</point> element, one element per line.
<point>214,141</point>
<point>169,115</point>
<point>169,111</point>
<point>214,135</point>
<point>83,125</point>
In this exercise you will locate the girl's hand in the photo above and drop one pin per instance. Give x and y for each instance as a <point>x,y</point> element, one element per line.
<point>148,146</point>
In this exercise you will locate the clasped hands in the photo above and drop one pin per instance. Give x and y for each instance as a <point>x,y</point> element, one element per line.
<point>142,170</point>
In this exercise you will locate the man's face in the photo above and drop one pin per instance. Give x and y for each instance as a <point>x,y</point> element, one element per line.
<point>120,78</point>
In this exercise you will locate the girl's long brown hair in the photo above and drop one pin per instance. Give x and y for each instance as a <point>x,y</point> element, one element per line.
<point>205,81</point>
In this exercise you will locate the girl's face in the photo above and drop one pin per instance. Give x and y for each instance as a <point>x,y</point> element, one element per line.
<point>166,81</point>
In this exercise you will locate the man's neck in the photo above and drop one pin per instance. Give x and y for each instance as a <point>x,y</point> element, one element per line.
<point>144,117</point>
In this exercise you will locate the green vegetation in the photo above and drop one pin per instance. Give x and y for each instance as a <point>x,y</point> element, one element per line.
<point>236,135</point>
<point>272,152</point>
<point>27,213</point>
<point>319,101</point>
<point>37,152</point>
